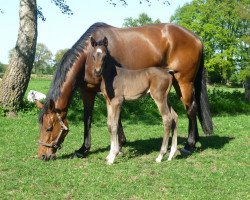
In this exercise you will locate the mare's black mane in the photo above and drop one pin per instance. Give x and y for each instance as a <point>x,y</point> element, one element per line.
<point>67,61</point>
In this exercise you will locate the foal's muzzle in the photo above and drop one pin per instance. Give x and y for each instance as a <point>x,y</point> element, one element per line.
<point>98,72</point>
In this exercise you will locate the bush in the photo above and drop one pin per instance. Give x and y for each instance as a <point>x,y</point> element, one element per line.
<point>225,102</point>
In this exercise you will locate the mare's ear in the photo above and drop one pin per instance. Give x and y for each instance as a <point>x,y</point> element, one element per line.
<point>39,105</point>
<point>51,105</point>
<point>93,42</point>
<point>105,41</point>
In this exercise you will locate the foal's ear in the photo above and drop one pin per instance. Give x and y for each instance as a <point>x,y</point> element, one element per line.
<point>51,105</point>
<point>105,41</point>
<point>93,42</point>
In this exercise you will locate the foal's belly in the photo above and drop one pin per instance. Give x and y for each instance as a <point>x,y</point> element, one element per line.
<point>133,93</point>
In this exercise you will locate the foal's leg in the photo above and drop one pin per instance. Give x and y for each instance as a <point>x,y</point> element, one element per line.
<point>174,137</point>
<point>88,98</point>
<point>167,122</point>
<point>113,117</point>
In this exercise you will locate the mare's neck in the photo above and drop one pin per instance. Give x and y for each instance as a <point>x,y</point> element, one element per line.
<point>69,85</point>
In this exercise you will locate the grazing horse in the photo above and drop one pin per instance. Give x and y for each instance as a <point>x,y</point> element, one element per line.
<point>52,119</point>
<point>162,45</point>
<point>119,84</point>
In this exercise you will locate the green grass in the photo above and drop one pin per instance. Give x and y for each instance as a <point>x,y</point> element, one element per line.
<point>219,169</point>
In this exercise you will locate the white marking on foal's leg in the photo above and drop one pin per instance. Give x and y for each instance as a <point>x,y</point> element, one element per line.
<point>159,158</point>
<point>172,152</point>
<point>114,148</point>
<point>98,50</point>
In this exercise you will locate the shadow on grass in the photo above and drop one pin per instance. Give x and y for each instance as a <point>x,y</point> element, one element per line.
<point>144,147</point>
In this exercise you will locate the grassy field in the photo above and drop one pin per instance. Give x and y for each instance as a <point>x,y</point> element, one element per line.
<point>219,169</point>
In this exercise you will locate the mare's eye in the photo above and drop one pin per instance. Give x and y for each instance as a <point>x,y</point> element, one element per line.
<point>49,129</point>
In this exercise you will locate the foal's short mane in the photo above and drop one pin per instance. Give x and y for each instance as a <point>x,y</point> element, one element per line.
<point>67,61</point>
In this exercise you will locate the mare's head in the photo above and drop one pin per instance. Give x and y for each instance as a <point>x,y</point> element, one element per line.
<point>53,129</point>
<point>96,57</point>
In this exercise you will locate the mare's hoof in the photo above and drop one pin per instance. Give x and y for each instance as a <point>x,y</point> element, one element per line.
<point>185,151</point>
<point>81,153</point>
<point>78,154</point>
<point>188,149</point>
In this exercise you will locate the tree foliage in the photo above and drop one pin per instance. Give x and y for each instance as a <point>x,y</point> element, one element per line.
<point>124,2</point>
<point>143,19</point>
<point>43,59</point>
<point>61,4</point>
<point>224,28</point>
<point>2,67</point>
<point>58,56</point>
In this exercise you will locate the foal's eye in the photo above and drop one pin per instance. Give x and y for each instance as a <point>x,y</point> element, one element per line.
<point>93,57</point>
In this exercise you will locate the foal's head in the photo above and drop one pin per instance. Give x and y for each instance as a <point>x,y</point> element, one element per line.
<point>97,57</point>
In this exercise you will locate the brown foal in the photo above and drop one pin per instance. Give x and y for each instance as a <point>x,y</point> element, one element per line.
<point>119,84</point>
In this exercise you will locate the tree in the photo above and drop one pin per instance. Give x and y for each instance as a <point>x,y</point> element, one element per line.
<point>143,19</point>
<point>2,67</point>
<point>58,56</point>
<point>124,2</point>
<point>17,75</point>
<point>221,29</point>
<point>43,58</point>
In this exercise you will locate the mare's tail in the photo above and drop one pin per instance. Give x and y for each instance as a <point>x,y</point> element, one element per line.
<point>201,97</point>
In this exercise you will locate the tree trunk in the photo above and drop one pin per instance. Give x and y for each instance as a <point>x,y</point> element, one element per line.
<point>17,75</point>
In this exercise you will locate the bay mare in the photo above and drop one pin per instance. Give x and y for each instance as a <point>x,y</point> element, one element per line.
<point>162,45</point>
<point>120,84</point>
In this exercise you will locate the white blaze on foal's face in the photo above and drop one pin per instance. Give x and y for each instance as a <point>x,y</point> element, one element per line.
<point>98,50</point>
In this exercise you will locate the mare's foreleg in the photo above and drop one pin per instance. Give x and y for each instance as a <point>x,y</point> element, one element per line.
<point>113,109</point>
<point>121,135</point>
<point>88,98</point>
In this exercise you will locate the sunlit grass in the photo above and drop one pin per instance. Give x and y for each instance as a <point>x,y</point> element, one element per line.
<point>218,169</point>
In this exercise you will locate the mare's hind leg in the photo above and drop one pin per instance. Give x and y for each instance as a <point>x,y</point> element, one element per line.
<point>187,97</point>
<point>174,137</point>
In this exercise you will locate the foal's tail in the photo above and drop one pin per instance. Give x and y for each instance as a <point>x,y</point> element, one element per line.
<point>201,97</point>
